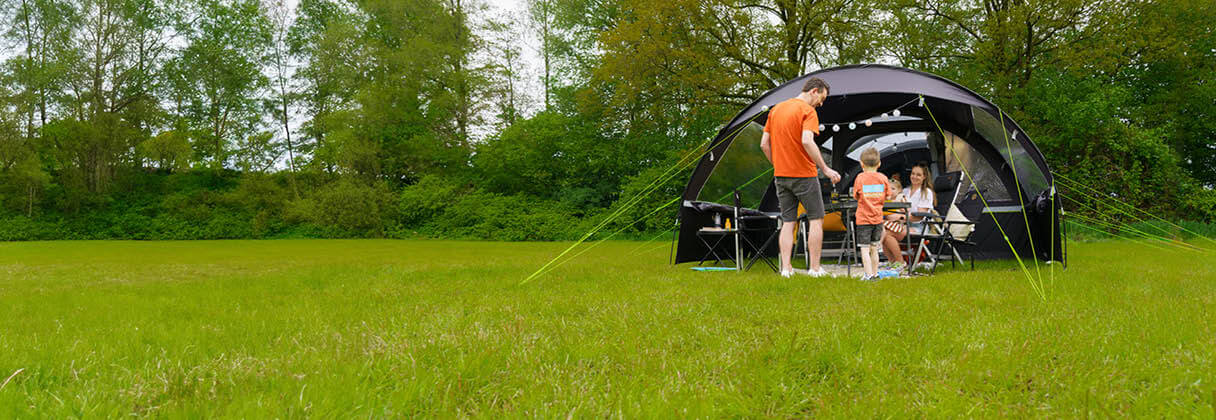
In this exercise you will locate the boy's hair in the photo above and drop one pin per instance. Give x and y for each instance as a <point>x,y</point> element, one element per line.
<point>816,83</point>
<point>869,157</point>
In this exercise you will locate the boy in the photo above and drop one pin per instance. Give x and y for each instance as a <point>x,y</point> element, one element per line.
<point>871,190</point>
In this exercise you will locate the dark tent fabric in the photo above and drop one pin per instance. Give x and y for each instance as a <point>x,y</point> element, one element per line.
<point>958,131</point>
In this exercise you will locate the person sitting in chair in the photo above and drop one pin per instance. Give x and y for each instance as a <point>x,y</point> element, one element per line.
<point>922,199</point>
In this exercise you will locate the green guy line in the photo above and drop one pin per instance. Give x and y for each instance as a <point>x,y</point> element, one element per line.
<point>1037,288</point>
<point>1129,228</point>
<point>1135,232</point>
<point>1025,220</point>
<point>1113,235</point>
<point>1107,225</point>
<point>1106,201</point>
<point>645,191</point>
<point>1101,195</point>
<point>596,243</point>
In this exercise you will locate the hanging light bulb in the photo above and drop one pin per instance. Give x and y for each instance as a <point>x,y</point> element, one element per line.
<point>852,126</point>
<point>869,122</point>
<point>895,113</point>
<point>821,127</point>
<point>835,127</point>
<point>884,115</point>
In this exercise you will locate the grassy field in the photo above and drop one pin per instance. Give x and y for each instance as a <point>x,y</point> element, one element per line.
<point>442,329</point>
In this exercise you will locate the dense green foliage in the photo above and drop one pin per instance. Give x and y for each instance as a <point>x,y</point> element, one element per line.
<point>253,329</point>
<point>200,119</point>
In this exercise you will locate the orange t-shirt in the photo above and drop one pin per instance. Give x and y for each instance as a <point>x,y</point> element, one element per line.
<point>785,124</point>
<point>870,189</point>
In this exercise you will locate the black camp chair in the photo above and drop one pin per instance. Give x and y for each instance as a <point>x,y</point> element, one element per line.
<point>944,237</point>
<point>751,221</point>
<point>952,243</point>
<point>743,221</point>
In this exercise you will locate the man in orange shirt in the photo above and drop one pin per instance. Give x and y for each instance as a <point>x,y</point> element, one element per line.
<point>789,143</point>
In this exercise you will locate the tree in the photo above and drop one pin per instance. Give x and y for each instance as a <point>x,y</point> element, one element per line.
<point>43,28</point>
<point>506,70</point>
<point>170,150</point>
<point>216,80</point>
<point>279,105</point>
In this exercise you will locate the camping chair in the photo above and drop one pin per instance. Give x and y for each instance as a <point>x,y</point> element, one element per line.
<point>955,237</point>
<point>950,233</point>
<point>750,221</point>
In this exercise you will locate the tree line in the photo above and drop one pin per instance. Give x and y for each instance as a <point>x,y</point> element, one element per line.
<point>189,119</point>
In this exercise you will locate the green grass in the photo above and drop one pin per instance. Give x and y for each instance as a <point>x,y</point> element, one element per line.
<point>442,329</point>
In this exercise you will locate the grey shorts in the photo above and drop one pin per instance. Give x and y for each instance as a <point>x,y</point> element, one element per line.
<point>791,191</point>
<point>868,234</point>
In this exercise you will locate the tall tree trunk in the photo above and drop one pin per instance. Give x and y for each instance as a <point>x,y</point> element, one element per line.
<point>281,70</point>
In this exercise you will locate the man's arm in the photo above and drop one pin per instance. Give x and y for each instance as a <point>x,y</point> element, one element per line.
<point>767,147</point>
<point>808,143</point>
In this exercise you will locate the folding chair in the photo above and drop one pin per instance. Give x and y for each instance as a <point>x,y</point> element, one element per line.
<point>950,233</point>
<point>755,221</point>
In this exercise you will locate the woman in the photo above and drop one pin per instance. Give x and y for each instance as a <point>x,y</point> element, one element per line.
<point>922,199</point>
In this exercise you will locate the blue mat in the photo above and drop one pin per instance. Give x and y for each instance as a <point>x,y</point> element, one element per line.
<point>714,268</point>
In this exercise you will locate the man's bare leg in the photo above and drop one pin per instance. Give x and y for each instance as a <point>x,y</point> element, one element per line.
<point>787,246</point>
<point>814,245</point>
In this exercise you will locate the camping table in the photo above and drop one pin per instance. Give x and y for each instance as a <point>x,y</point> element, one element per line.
<point>847,207</point>
<point>721,235</point>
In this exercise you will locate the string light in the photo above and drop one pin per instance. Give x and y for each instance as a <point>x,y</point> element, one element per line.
<point>821,128</point>
<point>852,125</point>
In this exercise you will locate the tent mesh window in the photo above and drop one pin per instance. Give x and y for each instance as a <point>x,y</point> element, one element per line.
<point>985,177</point>
<point>743,166</point>
<point>1032,179</point>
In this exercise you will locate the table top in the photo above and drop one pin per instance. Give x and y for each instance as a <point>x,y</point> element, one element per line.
<point>852,205</point>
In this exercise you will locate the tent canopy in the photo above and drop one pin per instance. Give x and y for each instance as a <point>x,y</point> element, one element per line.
<point>953,129</point>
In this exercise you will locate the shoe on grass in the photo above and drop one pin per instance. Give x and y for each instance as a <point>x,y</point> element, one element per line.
<point>817,273</point>
<point>787,274</point>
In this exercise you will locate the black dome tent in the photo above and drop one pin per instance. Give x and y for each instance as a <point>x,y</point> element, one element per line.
<point>998,175</point>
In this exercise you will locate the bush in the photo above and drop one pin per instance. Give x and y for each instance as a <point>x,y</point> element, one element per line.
<point>419,203</point>
<point>350,209</point>
<point>484,215</point>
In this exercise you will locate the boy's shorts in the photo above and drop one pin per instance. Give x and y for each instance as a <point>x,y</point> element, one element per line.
<point>869,234</point>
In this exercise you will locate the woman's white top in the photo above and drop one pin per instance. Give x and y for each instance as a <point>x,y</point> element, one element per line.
<point>923,199</point>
